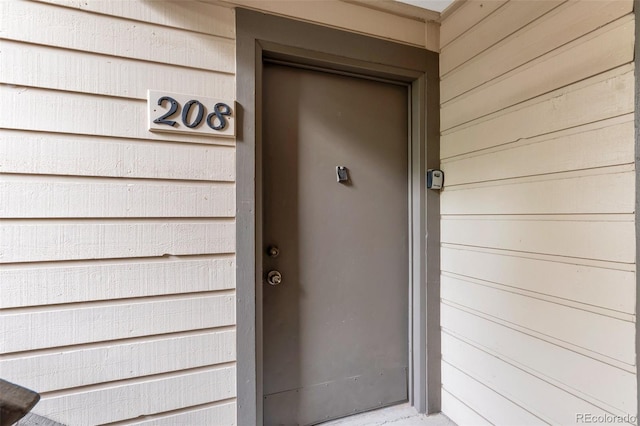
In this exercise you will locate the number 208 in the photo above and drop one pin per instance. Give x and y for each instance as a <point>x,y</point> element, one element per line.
<point>216,119</point>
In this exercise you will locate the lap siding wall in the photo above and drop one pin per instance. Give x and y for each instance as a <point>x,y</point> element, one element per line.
<point>538,233</point>
<point>117,283</point>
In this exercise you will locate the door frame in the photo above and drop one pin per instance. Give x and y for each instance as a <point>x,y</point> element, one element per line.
<point>261,36</point>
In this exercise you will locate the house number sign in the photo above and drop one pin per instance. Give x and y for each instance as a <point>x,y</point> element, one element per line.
<point>180,113</point>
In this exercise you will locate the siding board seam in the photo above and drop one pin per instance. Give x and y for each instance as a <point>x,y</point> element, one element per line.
<point>562,91</point>
<point>505,145</point>
<point>120,220</point>
<point>548,217</point>
<point>568,303</point>
<point>113,342</point>
<point>218,144</point>
<point>546,338</point>
<point>77,92</point>
<point>87,304</point>
<point>496,391</point>
<point>84,179</point>
<point>603,335</point>
<point>112,55</point>
<point>567,47</point>
<point>529,252</point>
<point>604,264</point>
<point>115,261</point>
<point>562,386</point>
<point>523,101</point>
<point>532,140</point>
<point>496,85</point>
<point>500,40</point>
<point>135,380</point>
<point>230,43</point>
<point>149,395</point>
<point>165,414</point>
<point>544,177</point>
<point>531,102</point>
<point>452,395</point>
<point>566,4</point>
<point>468,29</point>
<point>595,32</point>
<point>127,18</point>
<point>131,60</point>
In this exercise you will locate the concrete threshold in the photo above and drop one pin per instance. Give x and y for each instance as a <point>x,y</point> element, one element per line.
<point>396,415</point>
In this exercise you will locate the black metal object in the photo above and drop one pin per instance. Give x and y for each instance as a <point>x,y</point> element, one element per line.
<point>185,114</point>
<point>219,110</point>
<point>172,110</point>
<point>15,402</point>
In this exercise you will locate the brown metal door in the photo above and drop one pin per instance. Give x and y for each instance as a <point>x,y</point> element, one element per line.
<point>335,328</point>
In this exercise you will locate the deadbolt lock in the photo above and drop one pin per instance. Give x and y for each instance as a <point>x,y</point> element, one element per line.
<point>273,251</point>
<point>274,277</point>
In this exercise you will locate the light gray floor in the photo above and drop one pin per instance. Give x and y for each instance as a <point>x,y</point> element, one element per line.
<point>398,415</point>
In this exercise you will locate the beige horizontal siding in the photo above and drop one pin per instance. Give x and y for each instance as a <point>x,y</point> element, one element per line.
<point>51,240</point>
<point>477,394</point>
<point>600,97</point>
<point>112,76</point>
<point>100,321</point>
<point>502,22</point>
<point>568,22</point>
<point>538,256</point>
<point>197,17</point>
<point>33,197</point>
<point>29,22</point>
<point>118,273</point>
<point>31,153</point>
<point>464,17</point>
<point>603,190</point>
<point>53,283</point>
<point>604,49</point>
<point>608,336</point>
<point>549,360</point>
<point>607,238</point>
<point>126,400</point>
<point>222,414</point>
<point>75,366</point>
<point>603,288</point>
<point>465,415</point>
<point>603,143</point>
<point>528,392</point>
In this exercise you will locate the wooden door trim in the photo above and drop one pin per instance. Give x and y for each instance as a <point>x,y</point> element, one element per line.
<point>259,36</point>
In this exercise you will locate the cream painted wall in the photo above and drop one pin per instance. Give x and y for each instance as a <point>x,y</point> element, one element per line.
<point>117,268</point>
<point>538,246</point>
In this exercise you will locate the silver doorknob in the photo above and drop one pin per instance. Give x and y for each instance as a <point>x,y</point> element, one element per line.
<point>274,277</point>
